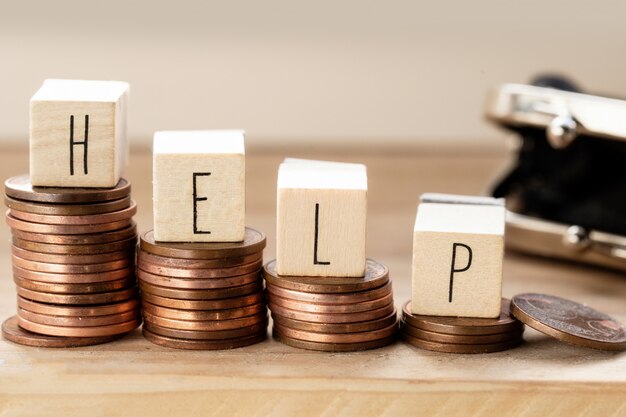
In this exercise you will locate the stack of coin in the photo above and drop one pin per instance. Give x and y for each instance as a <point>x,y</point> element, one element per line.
<point>203,295</point>
<point>335,314</point>
<point>73,263</point>
<point>462,334</point>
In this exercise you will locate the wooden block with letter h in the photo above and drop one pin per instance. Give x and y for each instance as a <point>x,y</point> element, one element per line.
<point>321,218</point>
<point>78,133</point>
<point>199,186</point>
<point>458,249</point>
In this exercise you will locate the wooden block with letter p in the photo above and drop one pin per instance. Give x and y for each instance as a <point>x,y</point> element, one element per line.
<point>78,133</point>
<point>321,218</point>
<point>199,186</point>
<point>458,249</point>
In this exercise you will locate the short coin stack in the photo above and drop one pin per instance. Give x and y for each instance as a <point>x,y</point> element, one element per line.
<point>203,296</point>
<point>335,314</point>
<point>73,263</point>
<point>462,334</point>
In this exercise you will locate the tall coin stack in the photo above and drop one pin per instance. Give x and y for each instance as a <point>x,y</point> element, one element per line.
<point>336,314</point>
<point>71,218</point>
<point>203,295</point>
<point>73,264</point>
<point>324,294</point>
<point>462,334</point>
<point>200,268</point>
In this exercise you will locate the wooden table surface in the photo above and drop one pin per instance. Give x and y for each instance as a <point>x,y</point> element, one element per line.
<point>134,377</point>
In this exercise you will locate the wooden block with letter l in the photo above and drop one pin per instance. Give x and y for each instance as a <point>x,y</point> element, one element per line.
<point>458,250</point>
<point>78,133</point>
<point>199,186</point>
<point>321,218</point>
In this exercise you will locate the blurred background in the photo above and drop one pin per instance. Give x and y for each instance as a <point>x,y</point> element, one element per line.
<point>393,74</point>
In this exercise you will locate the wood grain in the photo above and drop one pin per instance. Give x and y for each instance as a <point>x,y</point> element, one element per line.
<point>199,186</point>
<point>321,218</point>
<point>78,133</point>
<point>134,377</point>
<point>457,259</point>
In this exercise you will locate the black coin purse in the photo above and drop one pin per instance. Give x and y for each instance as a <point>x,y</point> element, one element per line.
<point>566,193</point>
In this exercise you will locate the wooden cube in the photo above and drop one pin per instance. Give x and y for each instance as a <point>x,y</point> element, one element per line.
<point>199,186</point>
<point>321,218</point>
<point>458,250</point>
<point>78,133</point>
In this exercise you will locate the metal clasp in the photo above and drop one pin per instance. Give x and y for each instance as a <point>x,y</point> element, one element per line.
<point>563,128</point>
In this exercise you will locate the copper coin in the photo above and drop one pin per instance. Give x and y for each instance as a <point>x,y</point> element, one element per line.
<point>202,315</point>
<point>227,303</point>
<point>197,263</point>
<point>463,325</point>
<point>206,325</point>
<point>203,344</point>
<point>569,321</point>
<point>78,321</point>
<point>364,326</point>
<point>14,333</point>
<point>259,328</point>
<point>197,284</point>
<point>79,299</point>
<point>478,339</point>
<point>63,229</point>
<point>458,348</point>
<point>330,308</point>
<point>85,288</point>
<point>376,275</point>
<point>211,294</point>
<point>337,337</point>
<point>201,273</point>
<point>60,310</point>
<point>332,347</point>
<point>309,297</point>
<point>19,187</point>
<point>122,245</point>
<point>254,242</point>
<point>97,238</point>
<point>67,209</point>
<point>114,216</point>
<point>128,254</point>
<point>69,268</point>
<point>333,317</point>
<point>74,278</point>
<point>92,331</point>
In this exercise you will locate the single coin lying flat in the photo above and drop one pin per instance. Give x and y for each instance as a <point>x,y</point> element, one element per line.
<point>569,321</point>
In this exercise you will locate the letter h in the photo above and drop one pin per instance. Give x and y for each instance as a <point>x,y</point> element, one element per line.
<point>84,143</point>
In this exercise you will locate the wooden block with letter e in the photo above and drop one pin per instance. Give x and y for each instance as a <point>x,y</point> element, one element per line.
<point>458,249</point>
<point>78,133</point>
<point>321,218</point>
<point>199,186</point>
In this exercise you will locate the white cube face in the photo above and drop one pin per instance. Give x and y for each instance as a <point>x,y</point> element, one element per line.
<point>321,219</point>
<point>457,274</point>
<point>77,139</point>
<point>199,188</point>
<point>321,232</point>
<point>458,254</point>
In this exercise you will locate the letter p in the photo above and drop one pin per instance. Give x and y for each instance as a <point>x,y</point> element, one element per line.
<point>454,268</point>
